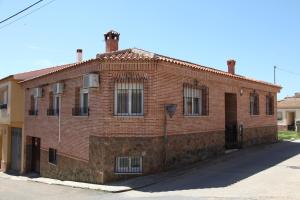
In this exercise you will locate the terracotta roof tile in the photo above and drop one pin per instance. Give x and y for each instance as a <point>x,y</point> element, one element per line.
<point>36,73</point>
<point>135,54</point>
<point>289,102</point>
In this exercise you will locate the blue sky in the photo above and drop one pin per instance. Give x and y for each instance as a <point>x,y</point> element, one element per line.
<point>258,34</point>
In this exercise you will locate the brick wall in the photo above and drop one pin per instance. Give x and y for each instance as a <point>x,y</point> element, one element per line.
<point>163,85</point>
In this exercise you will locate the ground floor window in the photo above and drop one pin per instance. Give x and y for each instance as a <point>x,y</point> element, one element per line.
<point>52,156</point>
<point>129,164</point>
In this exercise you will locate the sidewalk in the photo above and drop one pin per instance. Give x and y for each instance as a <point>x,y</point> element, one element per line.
<point>116,187</point>
<point>143,181</point>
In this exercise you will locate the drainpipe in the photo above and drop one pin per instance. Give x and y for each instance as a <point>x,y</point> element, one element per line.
<point>165,138</point>
<point>59,116</point>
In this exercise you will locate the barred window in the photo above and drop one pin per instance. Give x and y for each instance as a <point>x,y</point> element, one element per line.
<point>33,105</point>
<point>254,104</point>
<point>129,164</point>
<point>269,105</point>
<point>129,99</point>
<point>52,156</point>
<point>195,100</point>
<point>81,102</point>
<point>54,103</point>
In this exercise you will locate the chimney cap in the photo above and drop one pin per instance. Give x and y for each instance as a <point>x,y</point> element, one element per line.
<point>113,34</point>
<point>231,61</point>
<point>79,50</point>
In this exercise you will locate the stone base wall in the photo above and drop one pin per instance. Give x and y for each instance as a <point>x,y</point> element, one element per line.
<point>260,135</point>
<point>68,169</point>
<point>158,154</point>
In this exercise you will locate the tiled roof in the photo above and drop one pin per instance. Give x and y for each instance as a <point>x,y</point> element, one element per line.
<point>289,102</point>
<point>36,73</point>
<point>135,54</point>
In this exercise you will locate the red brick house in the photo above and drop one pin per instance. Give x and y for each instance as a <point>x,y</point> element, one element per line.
<point>131,112</point>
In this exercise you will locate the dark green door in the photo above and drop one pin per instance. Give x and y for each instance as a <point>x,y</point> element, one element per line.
<point>16,143</point>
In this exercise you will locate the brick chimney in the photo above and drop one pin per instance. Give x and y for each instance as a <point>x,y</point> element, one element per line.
<point>231,66</point>
<point>79,55</point>
<point>112,41</point>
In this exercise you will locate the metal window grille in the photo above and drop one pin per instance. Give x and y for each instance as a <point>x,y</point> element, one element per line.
<point>195,100</point>
<point>269,105</point>
<point>81,103</point>
<point>33,106</point>
<point>129,165</point>
<point>129,98</point>
<point>254,104</point>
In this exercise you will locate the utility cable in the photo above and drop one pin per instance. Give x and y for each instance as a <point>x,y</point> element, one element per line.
<point>1,27</point>
<point>21,11</point>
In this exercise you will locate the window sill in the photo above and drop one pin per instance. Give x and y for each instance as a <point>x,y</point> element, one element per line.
<point>128,173</point>
<point>52,164</point>
<point>195,116</point>
<point>254,115</point>
<point>129,116</point>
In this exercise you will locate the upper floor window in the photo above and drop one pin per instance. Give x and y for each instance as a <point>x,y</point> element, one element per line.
<point>33,105</point>
<point>129,99</point>
<point>3,99</point>
<point>195,100</point>
<point>81,102</point>
<point>269,105</point>
<point>54,104</point>
<point>254,104</point>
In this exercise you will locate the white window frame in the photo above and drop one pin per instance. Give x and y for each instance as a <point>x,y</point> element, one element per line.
<point>130,87</point>
<point>279,113</point>
<point>82,92</point>
<point>190,92</point>
<point>129,169</point>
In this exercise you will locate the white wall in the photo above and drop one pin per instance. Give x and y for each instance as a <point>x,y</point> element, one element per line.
<point>284,121</point>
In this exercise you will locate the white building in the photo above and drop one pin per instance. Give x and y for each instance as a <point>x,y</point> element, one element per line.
<point>288,112</point>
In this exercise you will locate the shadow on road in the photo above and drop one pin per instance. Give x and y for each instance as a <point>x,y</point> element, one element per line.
<point>227,170</point>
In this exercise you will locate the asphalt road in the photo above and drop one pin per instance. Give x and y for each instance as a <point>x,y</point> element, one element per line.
<point>265,172</point>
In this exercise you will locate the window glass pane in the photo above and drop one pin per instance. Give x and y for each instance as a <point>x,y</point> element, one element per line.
<point>35,103</point>
<point>122,100</point>
<point>279,115</point>
<point>85,100</point>
<point>189,106</point>
<point>135,162</point>
<point>136,101</point>
<point>196,106</point>
<point>56,102</point>
<point>123,162</point>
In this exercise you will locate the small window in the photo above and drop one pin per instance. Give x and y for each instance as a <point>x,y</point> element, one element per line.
<point>195,100</point>
<point>54,103</point>
<point>33,105</point>
<point>129,99</point>
<point>52,156</point>
<point>129,165</point>
<point>279,116</point>
<point>269,105</point>
<point>254,104</point>
<point>3,99</point>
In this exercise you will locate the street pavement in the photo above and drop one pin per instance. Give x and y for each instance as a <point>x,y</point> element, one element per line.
<point>262,172</point>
